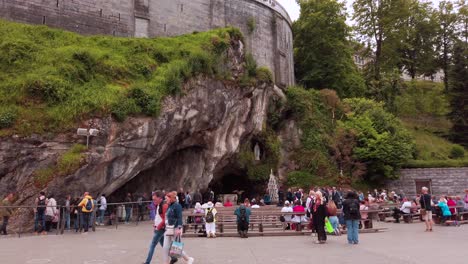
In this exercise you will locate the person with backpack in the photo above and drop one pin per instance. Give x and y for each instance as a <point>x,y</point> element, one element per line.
<point>5,213</point>
<point>174,224</point>
<point>41,203</point>
<point>243,220</point>
<point>210,220</point>
<point>352,216</point>
<point>87,207</point>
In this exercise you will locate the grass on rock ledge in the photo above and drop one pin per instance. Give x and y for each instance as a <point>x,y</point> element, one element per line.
<point>51,79</point>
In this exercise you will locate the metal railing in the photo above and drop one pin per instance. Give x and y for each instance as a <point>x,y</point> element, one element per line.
<point>113,215</point>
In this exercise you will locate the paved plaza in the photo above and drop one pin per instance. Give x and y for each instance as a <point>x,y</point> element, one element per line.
<point>401,243</point>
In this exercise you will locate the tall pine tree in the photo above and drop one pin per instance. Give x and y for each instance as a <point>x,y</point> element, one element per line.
<point>459,94</point>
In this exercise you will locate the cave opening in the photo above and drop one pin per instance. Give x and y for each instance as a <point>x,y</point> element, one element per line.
<point>236,181</point>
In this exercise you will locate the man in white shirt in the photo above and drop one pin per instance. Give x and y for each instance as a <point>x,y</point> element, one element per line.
<point>404,209</point>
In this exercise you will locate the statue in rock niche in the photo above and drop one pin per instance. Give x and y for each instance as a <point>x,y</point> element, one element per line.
<point>257,151</point>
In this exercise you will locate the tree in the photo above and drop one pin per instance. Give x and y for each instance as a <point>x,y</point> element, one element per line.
<point>417,49</point>
<point>381,22</point>
<point>459,94</point>
<point>446,35</point>
<point>382,142</point>
<point>323,54</point>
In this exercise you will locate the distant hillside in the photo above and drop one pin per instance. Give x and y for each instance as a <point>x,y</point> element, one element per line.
<point>423,107</point>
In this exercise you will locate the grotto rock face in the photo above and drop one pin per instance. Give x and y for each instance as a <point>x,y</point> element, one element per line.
<point>193,136</point>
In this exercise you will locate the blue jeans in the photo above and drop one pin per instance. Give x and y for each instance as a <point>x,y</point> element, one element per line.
<point>352,227</point>
<point>101,216</point>
<point>128,212</point>
<point>333,221</point>
<point>78,221</point>
<point>67,220</point>
<point>158,237</point>
<point>39,215</point>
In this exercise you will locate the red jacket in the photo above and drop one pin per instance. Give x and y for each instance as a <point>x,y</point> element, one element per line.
<point>163,217</point>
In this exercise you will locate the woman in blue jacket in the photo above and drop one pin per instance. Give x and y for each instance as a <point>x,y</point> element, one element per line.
<point>173,227</point>
<point>446,214</point>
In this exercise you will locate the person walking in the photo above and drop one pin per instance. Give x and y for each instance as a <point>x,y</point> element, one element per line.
<point>39,210</point>
<point>174,224</point>
<point>352,217</point>
<point>102,209</point>
<point>5,213</point>
<point>425,202</point>
<point>158,225</point>
<point>128,208</point>
<point>210,220</point>
<point>319,212</point>
<point>243,220</point>
<point>87,207</point>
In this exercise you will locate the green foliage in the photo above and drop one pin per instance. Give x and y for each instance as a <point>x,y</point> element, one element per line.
<point>459,95</point>
<point>67,164</point>
<point>306,180</point>
<point>250,65</point>
<point>264,74</point>
<point>422,99</point>
<point>436,163</point>
<point>53,78</point>
<point>457,152</point>
<point>429,146</point>
<point>251,24</point>
<point>382,142</point>
<point>325,61</point>
<point>7,117</point>
<point>312,114</point>
<point>260,170</point>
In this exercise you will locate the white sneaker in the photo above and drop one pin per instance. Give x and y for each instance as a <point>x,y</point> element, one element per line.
<point>190,260</point>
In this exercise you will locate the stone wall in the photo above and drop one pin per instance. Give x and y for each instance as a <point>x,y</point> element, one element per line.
<point>443,181</point>
<point>270,42</point>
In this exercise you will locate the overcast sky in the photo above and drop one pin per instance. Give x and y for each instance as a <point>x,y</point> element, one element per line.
<point>293,7</point>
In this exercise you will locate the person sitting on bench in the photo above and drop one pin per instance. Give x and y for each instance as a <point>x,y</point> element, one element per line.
<point>405,209</point>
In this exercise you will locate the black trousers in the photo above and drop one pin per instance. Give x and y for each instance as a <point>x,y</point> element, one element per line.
<point>4,225</point>
<point>85,221</point>
<point>242,226</point>
<point>321,234</point>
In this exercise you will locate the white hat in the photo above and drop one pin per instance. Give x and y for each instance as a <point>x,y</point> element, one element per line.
<point>209,204</point>
<point>286,202</point>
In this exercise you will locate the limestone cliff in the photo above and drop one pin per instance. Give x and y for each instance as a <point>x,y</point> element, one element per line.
<point>195,135</point>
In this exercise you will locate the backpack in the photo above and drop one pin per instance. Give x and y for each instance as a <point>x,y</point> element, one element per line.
<point>89,205</point>
<point>41,205</point>
<point>209,218</point>
<point>243,215</point>
<point>354,210</point>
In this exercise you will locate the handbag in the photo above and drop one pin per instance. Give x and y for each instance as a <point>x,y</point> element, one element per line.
<point>169,230</point>
<point>328,226</point>
<point>282,219</point>
<point>176,248</point>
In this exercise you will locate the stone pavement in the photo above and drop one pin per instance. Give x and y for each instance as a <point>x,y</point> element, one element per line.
<point>402,243</point>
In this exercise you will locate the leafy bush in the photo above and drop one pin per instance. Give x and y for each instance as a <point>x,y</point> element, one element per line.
<point>382,142</point>
<point>121,109</point>
<point>457,152</point>
<point>7,117</point>
<point>264,74</point>
<point>435,163</point>
<point>250,65</point>
<point>49,88</point>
